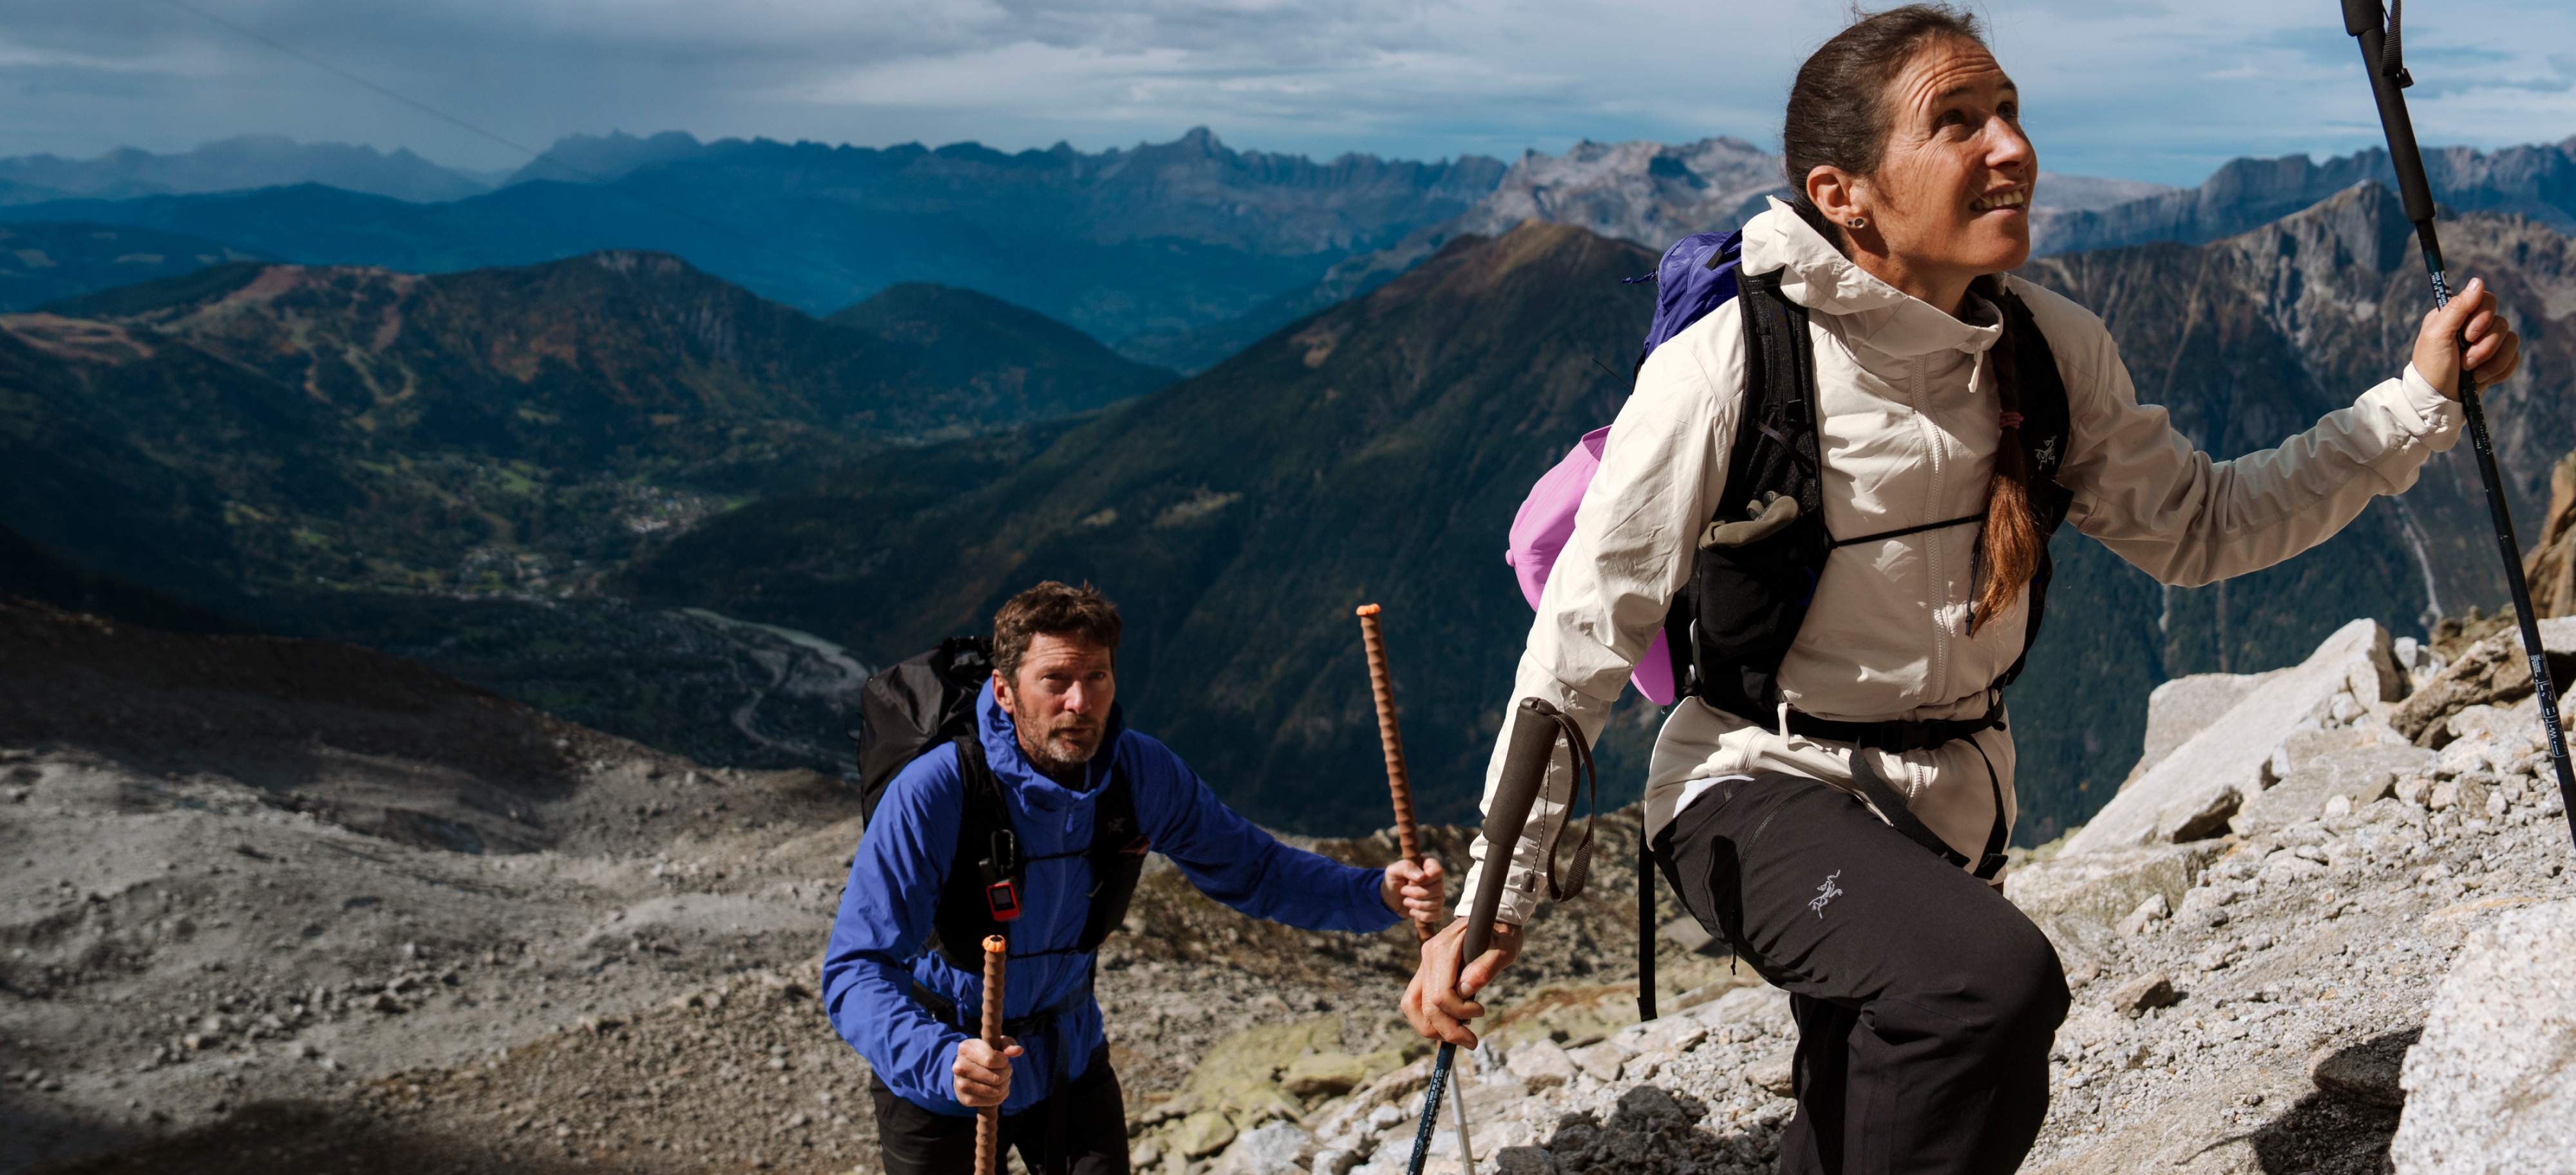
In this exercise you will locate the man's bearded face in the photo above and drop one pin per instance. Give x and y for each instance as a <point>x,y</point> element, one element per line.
<point>1060,700</point>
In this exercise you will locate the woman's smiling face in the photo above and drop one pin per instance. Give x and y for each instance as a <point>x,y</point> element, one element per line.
<point>1950,200</point>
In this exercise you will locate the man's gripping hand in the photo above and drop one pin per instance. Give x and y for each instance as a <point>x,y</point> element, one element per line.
<point>1433,1001</point>
<point>1415,891</point>
<point>982,1073</point>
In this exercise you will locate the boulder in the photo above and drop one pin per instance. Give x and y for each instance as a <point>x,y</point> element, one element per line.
<point>1601,1060</point>
<point>1240,1075</point>
<point>2146,991</point>
<point>1202,1134</point>
<point>2491,1086</point>
<point>2360,775</point>
<point>1775,1074</point>
<point>2192,792</point>
<point>1324,1073</point>
<point>2081,901</point>
<point>1541,1065</point>
<point>1267,1150</point>
<point>2184,707</point>
<point>2490,671</point>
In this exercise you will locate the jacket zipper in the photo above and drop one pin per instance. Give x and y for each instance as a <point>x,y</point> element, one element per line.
<point>1936,587</point>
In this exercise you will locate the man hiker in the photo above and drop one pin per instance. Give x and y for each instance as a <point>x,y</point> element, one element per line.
<point>1049,733</point>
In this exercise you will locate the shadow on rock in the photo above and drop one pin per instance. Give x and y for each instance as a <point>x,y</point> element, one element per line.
<point>1652,1132</point>
<point>301,1138</point>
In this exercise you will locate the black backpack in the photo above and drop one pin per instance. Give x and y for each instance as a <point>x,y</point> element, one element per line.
<point>908,710</point>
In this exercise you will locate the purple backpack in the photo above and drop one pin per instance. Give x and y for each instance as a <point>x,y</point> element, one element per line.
<point>1697,275</point>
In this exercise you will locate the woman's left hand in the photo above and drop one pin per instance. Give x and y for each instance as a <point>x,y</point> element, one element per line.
<point>2494,350</point>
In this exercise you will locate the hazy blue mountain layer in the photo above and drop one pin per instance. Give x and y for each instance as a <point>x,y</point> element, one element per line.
<point>235,164</point>
<point>1156,238</point>
<point>46,260</point>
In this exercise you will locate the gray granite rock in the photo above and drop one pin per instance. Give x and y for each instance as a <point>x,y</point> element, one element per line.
<point>2184,707</point>
<point>2193,791</point>
<point>1540,1064</point>
<point>1266,1150</point>
<point>2080,901</point>
<point>2360,774</point>
<point>2491,1087</point>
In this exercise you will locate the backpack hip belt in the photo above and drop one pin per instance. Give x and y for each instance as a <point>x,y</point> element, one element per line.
<point>1041,1021</point>
<point>1899,737</point>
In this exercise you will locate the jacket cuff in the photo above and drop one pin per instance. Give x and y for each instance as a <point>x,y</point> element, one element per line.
<point>2435,414</point>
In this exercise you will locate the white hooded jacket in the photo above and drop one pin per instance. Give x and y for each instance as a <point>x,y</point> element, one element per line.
<point>1909,433</point>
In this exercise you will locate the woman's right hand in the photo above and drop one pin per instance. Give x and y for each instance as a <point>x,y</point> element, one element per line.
<point>2495,351</point>
<point>1438,1001</point>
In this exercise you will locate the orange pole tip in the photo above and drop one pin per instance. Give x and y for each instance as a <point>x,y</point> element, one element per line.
<point>1368,609</point>
<point>993,944</point>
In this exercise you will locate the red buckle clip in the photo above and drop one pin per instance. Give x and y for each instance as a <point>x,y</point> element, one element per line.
<point>1004,898</point>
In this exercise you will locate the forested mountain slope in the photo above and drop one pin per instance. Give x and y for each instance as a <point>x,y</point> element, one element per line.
<point>253,428</point>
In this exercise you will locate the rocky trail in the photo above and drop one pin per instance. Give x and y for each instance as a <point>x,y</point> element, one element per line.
<point>281,907</point>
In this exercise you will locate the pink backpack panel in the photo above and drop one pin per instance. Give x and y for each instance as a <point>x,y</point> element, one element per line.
<point>1539,534</point>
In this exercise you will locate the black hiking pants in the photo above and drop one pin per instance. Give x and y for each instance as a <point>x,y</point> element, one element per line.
<point>1087,1115</point>
<point>1925,1002</point>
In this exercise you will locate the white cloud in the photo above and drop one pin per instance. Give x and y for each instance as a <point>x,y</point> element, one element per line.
<point>2152,90</point>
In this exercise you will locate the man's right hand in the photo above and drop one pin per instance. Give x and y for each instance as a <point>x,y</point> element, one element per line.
<point>982,1073</point>
<point>1434,1001</point>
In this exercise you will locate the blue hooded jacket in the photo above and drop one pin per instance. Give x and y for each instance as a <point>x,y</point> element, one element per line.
<point>876,952</point>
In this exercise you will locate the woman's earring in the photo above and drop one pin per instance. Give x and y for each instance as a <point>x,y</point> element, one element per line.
<point>1858,222</point>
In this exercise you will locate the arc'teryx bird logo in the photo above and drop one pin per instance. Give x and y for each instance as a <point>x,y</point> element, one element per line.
<point>1826,893</point>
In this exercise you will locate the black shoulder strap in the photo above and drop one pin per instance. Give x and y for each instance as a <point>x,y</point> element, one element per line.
<point>1775,440</point>
<point>1118,848</point>
<point>988,851</point>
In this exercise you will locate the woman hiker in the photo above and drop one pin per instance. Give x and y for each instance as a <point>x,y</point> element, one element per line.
<point>1926,1003</point>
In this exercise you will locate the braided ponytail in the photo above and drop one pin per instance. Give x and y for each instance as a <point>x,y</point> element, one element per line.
<point>2010,547</point>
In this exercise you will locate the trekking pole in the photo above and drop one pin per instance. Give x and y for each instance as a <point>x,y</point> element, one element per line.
<point>1398,784</point>
<point>1534,739</point>
<point>988,1119</point>
<point>2381,54</point>
<point>1466,1149</point>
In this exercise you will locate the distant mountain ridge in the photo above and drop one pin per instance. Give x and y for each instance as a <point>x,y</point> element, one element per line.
<point>1157,237</point>
<point>1648,193</point>
<point>2536,180</point>
<point>235,164</point>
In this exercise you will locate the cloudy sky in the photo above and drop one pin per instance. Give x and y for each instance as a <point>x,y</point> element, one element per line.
<point>2135,88</point>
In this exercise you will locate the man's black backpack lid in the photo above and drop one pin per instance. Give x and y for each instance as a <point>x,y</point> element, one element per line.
<point>912,707</point>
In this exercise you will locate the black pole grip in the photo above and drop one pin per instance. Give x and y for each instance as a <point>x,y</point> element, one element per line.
<point>2367,24</point>
<point>1534,741</point>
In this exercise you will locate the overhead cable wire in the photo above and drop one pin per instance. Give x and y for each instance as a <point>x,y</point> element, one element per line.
<point>522,148</point>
